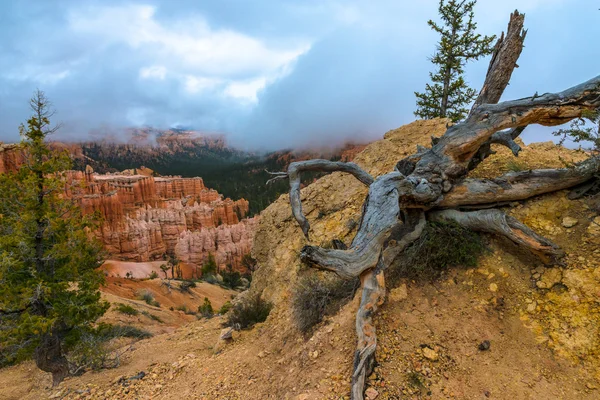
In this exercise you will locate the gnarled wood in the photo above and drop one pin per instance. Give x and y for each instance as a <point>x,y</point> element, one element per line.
<point>504,60</point>
<point>521,185</point>
<point>294,171</point>
<point>498,223</point>
<point>380,215</point>
<point>373,296</point>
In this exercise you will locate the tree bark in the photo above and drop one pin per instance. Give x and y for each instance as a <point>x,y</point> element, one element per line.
<point>498,223</point>
<point>504,60</point>
<point>50,358</point>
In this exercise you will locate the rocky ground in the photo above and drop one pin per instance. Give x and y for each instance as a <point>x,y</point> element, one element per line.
<point>509,328</point>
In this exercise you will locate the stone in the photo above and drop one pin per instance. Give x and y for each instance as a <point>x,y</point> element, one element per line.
<point>569,222</point>
<point>430,354</point>
<point>493,287</point>
<point>549,278</point>
<point>399,294</point>
<point>371,393</point>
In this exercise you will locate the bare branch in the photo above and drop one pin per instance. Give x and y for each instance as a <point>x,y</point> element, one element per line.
<point>296,168</point>
<point>498,223</point>
<point>519,185</point>
<point>503,62</point>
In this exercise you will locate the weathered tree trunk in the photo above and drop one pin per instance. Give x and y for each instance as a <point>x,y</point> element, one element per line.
<point>50,358</point>
<point>431,184</point>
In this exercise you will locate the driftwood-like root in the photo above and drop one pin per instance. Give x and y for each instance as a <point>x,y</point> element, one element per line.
<point>498,223</point>
<point>380,216</point>
<point>373,295</point>
<point>519,185</point>
<point>296,168</point>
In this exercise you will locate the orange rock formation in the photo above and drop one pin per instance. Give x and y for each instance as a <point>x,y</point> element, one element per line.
<point>145,217</point>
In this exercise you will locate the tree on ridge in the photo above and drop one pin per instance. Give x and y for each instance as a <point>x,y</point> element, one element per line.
<point>49,282</point>
<point>448,94</point>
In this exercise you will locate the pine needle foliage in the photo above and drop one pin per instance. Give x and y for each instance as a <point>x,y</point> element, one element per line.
<point>448,94</point>
<point>48,262</point>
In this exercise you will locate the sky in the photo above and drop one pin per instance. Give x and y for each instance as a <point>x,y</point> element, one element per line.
<point>269,74</point>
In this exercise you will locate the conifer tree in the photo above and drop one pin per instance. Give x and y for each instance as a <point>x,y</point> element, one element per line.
<point>448,93</point>
<point>49,280</point>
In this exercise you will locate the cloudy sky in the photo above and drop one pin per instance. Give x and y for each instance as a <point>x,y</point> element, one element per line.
<point>268,73</point>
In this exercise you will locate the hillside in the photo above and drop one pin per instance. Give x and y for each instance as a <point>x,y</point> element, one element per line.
<point>541,323</point>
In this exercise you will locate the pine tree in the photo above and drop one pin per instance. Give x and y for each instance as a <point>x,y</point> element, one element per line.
<point>49,280</point>
<point>210,266</point>
<point>448,94</point>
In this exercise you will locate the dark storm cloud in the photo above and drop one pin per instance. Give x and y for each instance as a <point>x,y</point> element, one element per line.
<point>268,73</point>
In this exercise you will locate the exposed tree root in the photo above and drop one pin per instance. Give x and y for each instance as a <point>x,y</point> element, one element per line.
<point>373,295</point>
<point>498,223</point>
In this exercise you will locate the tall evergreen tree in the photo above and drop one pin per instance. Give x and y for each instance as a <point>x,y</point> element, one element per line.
<point>48,278</point>
<point>448,94</point>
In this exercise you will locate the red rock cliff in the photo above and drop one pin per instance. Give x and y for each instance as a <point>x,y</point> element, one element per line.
<point>145,217</point>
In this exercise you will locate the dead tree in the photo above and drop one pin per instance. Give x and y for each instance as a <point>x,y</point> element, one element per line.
<point>432,185</point>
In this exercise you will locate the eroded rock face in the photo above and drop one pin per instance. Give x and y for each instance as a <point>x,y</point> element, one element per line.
<point>11,157</point>
<point>147,217</point>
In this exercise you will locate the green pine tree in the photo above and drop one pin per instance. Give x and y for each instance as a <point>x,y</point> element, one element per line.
<point>49,280</point>
<point>448,94</point>
<point>210,266</point>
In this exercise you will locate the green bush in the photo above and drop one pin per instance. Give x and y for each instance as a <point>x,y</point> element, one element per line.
<point>126,309</point>
<point>252,310</point>
<point>225,307</point>
<point>185,286</point>
<point>210,266</point>
<point>231,278</point>
<point>185,309</point>
<point>153,275</point>
<point>152,316</point>
<point>314,297</point>
<point>148,297</point>
<point>515,166</point>
<point>441,245</point>
<point>205,309</point>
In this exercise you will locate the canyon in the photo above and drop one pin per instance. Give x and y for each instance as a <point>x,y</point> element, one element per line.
<point>148,218</point>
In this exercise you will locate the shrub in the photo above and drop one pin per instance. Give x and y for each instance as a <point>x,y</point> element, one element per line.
<point>225,307</point>
<point>231,278</point>
<point>205,309</point>
<point>90,351</point>
<point>153,275</point>
<point>185,309</point>
<point>314,297</point>
<point>152,316</point>
<point>249,311</point>
<point>148,297</point>
<point>210,266</point>
<point>515,166</point>
<point>185,286</point>
<point>126,309</point>
<point>210,279</point>
<point>441,245</point>
<point>249,262</point>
